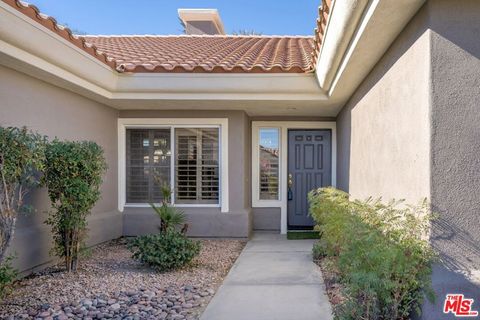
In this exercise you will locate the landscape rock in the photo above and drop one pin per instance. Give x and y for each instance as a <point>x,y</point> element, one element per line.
<point>110,285</point>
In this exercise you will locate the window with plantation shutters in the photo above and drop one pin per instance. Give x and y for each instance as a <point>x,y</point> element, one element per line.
<point>196,165</point>
<point>148,164</point>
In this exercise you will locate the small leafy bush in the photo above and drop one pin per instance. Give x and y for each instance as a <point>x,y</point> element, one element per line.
<point>73,176</point>
<point>8,274</point>
<point>380,252</point>
<point>165,251</point>
<point>22,155</point>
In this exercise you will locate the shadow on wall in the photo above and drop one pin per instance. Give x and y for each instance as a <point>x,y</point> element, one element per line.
<point>455,183</point>
<point>444,231</point>
<point>452,275</point>
<point>454,194</point>
<point>448,282</point>
<point>414,30</point>
<point>457,22</point>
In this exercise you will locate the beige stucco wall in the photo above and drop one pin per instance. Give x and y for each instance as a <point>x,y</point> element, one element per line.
<point>49,110</point>
<point>266,219</point>
<point>412,130</point>
<point>455,147</point>
<point>383,131</point>
<point>207,222</point>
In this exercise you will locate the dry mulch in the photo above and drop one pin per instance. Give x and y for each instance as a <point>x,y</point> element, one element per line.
<point>110,270</point>
<point>331,279</point>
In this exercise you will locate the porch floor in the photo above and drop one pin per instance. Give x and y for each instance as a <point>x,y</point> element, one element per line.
<point>273,278</point>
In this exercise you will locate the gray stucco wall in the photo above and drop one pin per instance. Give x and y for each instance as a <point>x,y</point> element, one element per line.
<point>383,131</point>
<point>411,130</point>
<point>208,222</point>
<point>49,110</point>
<point>455,147</point>
<point>267,219</point>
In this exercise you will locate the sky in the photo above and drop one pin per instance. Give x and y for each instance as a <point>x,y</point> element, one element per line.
<point>268,17</point>
<point>269,138</point>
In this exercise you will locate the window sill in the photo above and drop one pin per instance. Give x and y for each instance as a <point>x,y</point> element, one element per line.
<point>146,205</point>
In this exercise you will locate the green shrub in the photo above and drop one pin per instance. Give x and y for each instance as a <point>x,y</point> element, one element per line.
<point>73,176</point>
<point>164,251</point>
<point>22,155</point>
<point>8,274</point>
<point>380,251</point>
<point>318,250</point>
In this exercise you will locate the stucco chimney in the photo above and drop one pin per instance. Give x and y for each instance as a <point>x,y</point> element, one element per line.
<point>201,21</point>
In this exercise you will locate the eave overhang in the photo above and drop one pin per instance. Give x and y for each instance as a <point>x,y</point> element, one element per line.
<point>31,48</point>
<point>354,36</point>
<point>357,34</point>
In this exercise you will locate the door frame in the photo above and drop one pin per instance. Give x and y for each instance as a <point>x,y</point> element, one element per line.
<point>284,126</point>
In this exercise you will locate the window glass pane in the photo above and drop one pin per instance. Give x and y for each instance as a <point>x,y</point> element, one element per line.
<point>148,164</point>
<point>197,166</point>
<point>269,163</point>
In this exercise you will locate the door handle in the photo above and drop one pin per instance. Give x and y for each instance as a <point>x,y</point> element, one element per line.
<point>289,191</point>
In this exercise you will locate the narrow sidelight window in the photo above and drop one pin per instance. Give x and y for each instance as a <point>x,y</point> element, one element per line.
<point>196,165</point>
<point>148,164</point>
<point>269,163</point>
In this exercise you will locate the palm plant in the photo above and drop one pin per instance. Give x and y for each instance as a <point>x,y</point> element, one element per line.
<point>170,217</point>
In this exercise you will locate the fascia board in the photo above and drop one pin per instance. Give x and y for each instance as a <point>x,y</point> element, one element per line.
<point>26,35</point>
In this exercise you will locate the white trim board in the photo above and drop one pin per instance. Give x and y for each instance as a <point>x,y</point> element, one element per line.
<point>284,126</point>
<point>221,123</point>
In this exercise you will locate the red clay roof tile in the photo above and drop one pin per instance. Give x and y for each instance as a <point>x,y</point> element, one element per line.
<point>212,54</point>
<point>32,12</point>
<point>323,14</point>
<point>207,53</point>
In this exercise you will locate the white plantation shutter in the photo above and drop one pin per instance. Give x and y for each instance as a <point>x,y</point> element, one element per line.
<point>269,172</point>
<point>197,165</point>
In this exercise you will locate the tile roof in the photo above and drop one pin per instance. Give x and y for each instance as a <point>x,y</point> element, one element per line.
<point>32,12</point>
<point>228,54</point>
<point>323,14</point>
<point>234,54</point>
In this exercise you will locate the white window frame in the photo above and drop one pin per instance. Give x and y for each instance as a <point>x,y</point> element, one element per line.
<point>284,126</point>
<point>256,201</point>
<point>172,123</point>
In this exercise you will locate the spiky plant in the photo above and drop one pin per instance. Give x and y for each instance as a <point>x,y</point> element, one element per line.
<point>170,217</point>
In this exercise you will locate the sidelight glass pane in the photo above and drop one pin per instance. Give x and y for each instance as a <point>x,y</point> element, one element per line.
<point>197,165</point>
<point>269,152</point>
<point>148,164</point>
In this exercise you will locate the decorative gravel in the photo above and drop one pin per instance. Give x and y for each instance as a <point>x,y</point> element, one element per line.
<point>110,285</point>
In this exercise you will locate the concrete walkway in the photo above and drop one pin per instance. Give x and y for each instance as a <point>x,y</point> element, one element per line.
<point>273,278</point>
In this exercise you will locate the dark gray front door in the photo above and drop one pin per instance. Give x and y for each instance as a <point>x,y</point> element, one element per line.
<point>309,167</point>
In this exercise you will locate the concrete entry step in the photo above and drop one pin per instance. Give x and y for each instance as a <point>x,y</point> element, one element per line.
<point>273,278</point>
